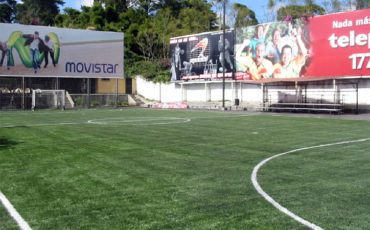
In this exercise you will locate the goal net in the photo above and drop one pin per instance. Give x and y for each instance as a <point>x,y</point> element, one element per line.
<point>48,99</point>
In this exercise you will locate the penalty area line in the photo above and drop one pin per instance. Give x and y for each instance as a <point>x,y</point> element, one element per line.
<point>276,204</point>
<point>13,213</point>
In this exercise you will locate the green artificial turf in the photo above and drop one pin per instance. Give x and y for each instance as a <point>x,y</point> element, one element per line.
<point>161,169</point>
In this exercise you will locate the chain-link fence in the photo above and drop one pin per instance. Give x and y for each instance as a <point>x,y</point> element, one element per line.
<point>16,93</point>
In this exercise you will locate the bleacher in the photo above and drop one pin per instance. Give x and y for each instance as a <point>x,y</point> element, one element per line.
<point>303,107</point>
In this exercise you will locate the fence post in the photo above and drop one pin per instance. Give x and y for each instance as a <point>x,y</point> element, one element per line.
<point>23,94</point>
<point>88,93</point>
<point>357,111</point>
<point>116,102</point>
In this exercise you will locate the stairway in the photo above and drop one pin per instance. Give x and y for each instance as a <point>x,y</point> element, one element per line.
<point>137,100</point>
<point>69,104</point>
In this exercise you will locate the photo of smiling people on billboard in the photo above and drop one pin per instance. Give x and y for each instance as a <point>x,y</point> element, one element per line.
<point>258,67</point>
<point>290,65</point>
<point>280,51</point>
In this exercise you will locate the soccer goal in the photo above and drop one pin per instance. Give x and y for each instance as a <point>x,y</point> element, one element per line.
<point>48,99</point>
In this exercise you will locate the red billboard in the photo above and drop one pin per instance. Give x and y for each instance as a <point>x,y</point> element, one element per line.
<point>335,45</point>
<point>328,46</point>
<point>340,45</point>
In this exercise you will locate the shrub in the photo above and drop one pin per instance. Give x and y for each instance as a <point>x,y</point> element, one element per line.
<point>111,102</point>
<point>78,101</point>
<point>95,103</point>
<point>122,103</point>
<point>153,70</point>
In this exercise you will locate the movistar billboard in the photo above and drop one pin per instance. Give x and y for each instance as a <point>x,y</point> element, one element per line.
<point>41,51</point>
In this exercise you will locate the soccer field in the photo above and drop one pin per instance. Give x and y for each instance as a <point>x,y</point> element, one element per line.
<point>161,169</point>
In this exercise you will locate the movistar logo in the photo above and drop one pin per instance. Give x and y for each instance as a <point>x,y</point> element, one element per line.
<point>82,67</point>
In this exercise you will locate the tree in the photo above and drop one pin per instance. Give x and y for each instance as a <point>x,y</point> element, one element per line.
<point>243,16</point>
<point>166,24</point>
<point>332,6</point>
<point>7,10</point>
<point>72,18</point>
<point>5,13</point>
<point>147,40</point>
<point>175,6</point>
<point>297,11</point>
<point>196,17</point>
<point>120,6</point>
<point>97,15</point>
<point>362,4</point>
<point>38,12</point>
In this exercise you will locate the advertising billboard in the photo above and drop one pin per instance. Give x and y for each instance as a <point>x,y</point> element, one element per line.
<point>39,51</point>
<point>199,56</point>
<point>333,45</point>
<point>340,44</point>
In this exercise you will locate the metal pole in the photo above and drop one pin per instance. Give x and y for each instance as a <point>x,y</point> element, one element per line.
<point>116,103</point>
<point>357,111</point>
<point>263,96</point>
<point>88,93</point>
<point>23,94</point>
<point>223,59</point>
<point>160,91</point>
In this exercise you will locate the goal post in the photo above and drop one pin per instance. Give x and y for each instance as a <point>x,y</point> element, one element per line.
<point>48,99</point>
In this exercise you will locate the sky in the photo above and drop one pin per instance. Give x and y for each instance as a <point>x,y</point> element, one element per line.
<point>76,4</point>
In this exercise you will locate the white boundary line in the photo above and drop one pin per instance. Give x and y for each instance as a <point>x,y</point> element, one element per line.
<point>276,204</point>
<point>107,121</point>
<point>100,121</point>
<point>39,125</point>
<point>13,213</point>
<point>115,120</point>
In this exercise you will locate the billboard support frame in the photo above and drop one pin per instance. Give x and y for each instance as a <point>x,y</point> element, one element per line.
<point>357,111</point>
<point>223,58</point>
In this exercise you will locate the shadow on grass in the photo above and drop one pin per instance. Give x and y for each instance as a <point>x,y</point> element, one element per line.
<point>6,143</point>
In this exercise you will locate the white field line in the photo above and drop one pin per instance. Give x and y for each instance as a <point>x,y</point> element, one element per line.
<point>109,120</point>
<point>276,204</point>
<point>37,125</point>
<point>160,120</point>
<point>13,213</point>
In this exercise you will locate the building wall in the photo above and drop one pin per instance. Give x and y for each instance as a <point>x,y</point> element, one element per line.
<point>162,92</point>
<point>344,92</point>
<point>108,86</point>
<point>133,86</point>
